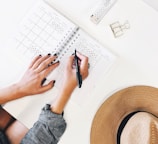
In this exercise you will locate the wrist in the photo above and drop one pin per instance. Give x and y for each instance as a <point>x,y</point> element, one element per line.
<point>19,92</point>
<point>67,90</point>
<point>68,86</point>
<point>64,94</point>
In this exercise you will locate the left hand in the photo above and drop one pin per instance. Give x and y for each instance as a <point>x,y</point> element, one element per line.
<point>30,83</point>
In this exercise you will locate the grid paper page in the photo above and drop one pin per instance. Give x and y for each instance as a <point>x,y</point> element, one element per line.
<point>42,30</point>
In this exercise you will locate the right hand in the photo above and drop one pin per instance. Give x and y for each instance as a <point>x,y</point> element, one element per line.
<point>70,80</point>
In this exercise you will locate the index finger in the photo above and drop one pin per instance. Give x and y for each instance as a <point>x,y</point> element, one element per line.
<point>84,60</point>
<point>80,56</point>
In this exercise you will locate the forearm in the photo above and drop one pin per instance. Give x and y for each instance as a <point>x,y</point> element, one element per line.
<point>62,99</point>
<point>10,93</point>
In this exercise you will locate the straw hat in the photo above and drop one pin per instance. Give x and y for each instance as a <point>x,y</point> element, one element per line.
<point>129,116</point>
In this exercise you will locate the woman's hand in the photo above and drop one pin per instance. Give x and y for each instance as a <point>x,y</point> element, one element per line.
<point>70,80</point>
<point>32,81</point>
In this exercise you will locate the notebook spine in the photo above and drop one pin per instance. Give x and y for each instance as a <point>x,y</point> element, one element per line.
<point>66,40</point>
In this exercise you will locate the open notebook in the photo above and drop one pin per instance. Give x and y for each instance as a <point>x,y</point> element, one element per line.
<point>43,31</point>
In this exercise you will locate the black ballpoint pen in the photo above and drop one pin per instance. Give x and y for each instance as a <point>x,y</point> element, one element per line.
<point>78,75</point>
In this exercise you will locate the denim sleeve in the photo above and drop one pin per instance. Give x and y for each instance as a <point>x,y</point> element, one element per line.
<point>47,130</point>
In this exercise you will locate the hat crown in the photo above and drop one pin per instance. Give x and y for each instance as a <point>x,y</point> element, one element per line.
<point>141,128</point>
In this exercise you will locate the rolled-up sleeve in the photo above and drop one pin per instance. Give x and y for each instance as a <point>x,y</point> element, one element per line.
<point>47,130</point>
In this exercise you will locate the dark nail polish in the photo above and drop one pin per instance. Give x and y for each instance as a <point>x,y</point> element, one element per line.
<point>54,82</point>
<point>49,64</point>
<point>40,55</point>
<point>88,65</point>
<point>55,54</point>
<point>42,82</point>
<point>49,54</point>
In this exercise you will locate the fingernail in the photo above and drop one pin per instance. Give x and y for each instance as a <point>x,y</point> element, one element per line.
<point>53,82</point>
<point>54,62</point>
<point>49,64</point>
<point>40,55</point>
<point>55,54</point>
<point>42,82</point>
<point>88,65</point>
<point>49,54</point>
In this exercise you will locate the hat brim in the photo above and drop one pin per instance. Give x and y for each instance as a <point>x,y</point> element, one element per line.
<point>111,113</point>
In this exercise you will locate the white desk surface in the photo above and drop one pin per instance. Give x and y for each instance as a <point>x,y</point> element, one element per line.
<point>137,51</point>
